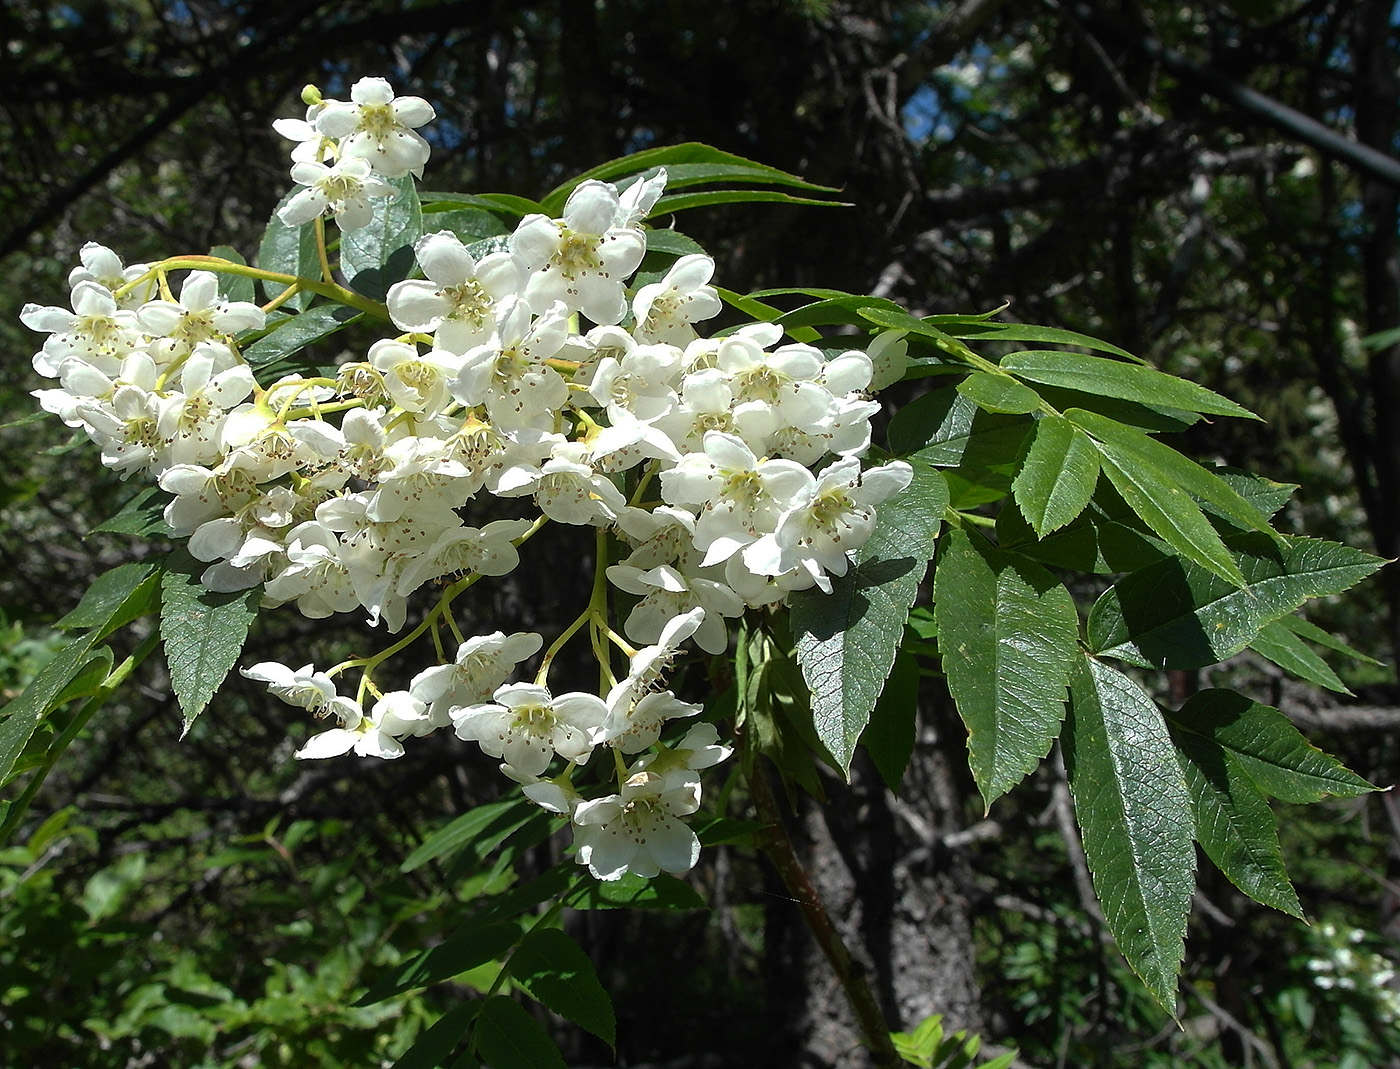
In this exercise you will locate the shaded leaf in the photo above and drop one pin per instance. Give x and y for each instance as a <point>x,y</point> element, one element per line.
<point>890,735</point>
<point>1007,630</point>
<point>234,287</point>
<point>509,1038</point>
<point>289,250</point>
<point>438,1042</point>
<point>1281,644</point>
<point>555,971</point>
<point>20,719</point>
<point>486,824</point>
<point>379,254</point>
<point>1234,823</point>
<point>115,598</point>
<point>1093,542</point>
<point>473,943</point>
<point>635,892</point>
<point>1134,810</point>
<point>1177,615</point>
<point>846,640</point>
<point>296,332</point>
<point>1267,746</point>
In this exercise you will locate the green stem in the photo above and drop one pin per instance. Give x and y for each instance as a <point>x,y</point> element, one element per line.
<point>322,255</point>
<point>329,290</point>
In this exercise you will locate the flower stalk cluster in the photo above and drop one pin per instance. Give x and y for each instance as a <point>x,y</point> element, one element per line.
<point>729,466</point>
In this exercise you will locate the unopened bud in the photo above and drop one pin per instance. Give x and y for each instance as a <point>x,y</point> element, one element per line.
<point>310,95</point>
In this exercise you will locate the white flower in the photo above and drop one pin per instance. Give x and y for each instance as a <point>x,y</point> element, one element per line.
<point>96,331</point>
<point>462,550</point>
<point>305,688</point>
<point>585,258</point>
<point>742,496</point>
<point>344,189</point>
<point>200,315</point>
<point>634,722</point>
<point>458,301</point>
<point>481,665</point>
<point>638,830</point>
<point>665,310</point>
<point>379,128</point>
<point>526,726</point>
<point>101,265</point>
<point>667,594</point>
<point>367,736</point>
<point>508,374</point>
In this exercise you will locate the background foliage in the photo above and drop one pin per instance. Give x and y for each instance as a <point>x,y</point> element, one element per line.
<point>1155,174</point>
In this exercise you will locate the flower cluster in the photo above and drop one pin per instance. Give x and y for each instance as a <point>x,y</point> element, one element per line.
<point>728,465</point>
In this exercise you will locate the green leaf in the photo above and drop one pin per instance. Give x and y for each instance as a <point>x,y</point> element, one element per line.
<point>142,515</point>
<point>838,309</point>
<point>1313,633</point>
<point>765,313</point>
<point>289,250</point>
<point>296,332</point>
<point>234,287</point>
<point>115,598</point>
<point>999,393</point>
<point>1112,378</point>
<point>1234,823</point>
<point>687,164</point>
<point>469,224</point>
<point>956,327</point>
<point>1129,447</point>
<point>479,831</point>
<point>105,890</point>
<point>1134,811</point>
<point>634,892</point>
<point>1266,495</point>
<point>846,640</point>
<point>944,427</point>
<point>1279,643</point>
<point>1093,542</point>
<point>378,254</point>
<point>1267,746</point>
<point>203,632</point>
<point>20,719</point>
<point>673,242</point>
<point>471,944</point>
<point>554,970</point>
<point>509,1038</point>
<point>498,203</point>
<point>437,1043</point>
<point>1057,480</point>
<point>683,201</point>
<point>1164,504</point>
<point>890,735</point>
<point>1008,632</point>
<point>1177,615</point>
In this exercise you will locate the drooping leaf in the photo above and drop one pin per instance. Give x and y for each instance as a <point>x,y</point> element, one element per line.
<point>555,971</point>
<point>289,250</point>
<point>1058,477</point>
<point>142,515</point>
<point>1267,746</point>
<point>1177,615</point>
<point>683,201</point>
<point>1313,633</point>
<point>509,1038</point>
<point>477,827</point>
<point>378,254</point>
<point>471,944</point>
<point>203,632</point>
<point>889,737</point>
<point>20,718</point>
<point>1234,823</point>
<point>1009,332</point>
<point>436,1044</point>
<point>1098,376</point>
<point>115,598</point>
<point>846,640</point>
<point>1134,810</point>
<point>1007,629</point>
<point>1279,643</point>
<point>999,393</point>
